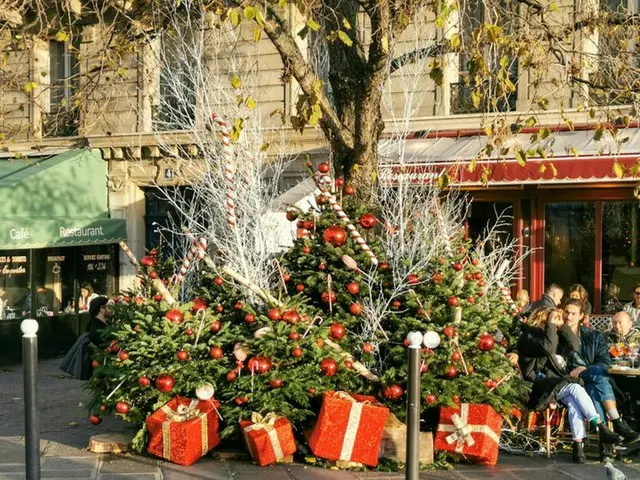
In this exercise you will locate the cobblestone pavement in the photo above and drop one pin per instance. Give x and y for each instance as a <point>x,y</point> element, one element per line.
<point>65,433</point>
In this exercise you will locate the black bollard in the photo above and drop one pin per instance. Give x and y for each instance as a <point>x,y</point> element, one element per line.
<point>412,467</point>
<point>29,329</point>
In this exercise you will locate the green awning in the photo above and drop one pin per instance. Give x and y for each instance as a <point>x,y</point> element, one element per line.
<point>56,201</point>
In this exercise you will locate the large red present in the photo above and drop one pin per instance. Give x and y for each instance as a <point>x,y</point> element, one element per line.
<point>349,428</point>
<point>269,438</point>
<point>472,430</point>
<point>183,430</point>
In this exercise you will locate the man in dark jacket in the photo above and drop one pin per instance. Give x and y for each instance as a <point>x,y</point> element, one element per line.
<point>591,362</point>
<point>551,299</point>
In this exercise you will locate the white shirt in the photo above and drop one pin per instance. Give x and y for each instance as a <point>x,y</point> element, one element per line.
<point>634,311</point>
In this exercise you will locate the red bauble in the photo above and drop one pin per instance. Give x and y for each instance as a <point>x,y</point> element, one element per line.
<point>157,297</point>
<point>394,392</point>
<point>322,200</point>
<point>413,279</point>
<point>249,318</point>
<point>215,326</point>
<point>452,372</point>
<point>324,167</point>
<point>322,267</point>
<point>96,420</point>
<point>367,347</point>
<point>348,364</point>
<point>431,399</point>
<point>349,190</point>
<point>339,182</point>
<point>456,357</point>
<point>353,288</point>
<point>471,300</point>
<point>291,316</point>
<point>153,274</point>
<point>384,266</point>
<point>355,308</point>
<point>437,278</point>
<point>122,408</point>
<point>449,331</point>
<point>259,364</point>
<point>312,391</point>
<point>477,275</point>
<point>102,408</point>
<point>144,382</point>
<point>276,382</point>
<point>182,355</point>
<point>396,304</point>
<point>335,235</point>
<point>292,215</point>
<point>306,249</point>
<point>95,364</point>
<point>300,287</point>
<point>337,331</point>
<point>123,355</point>
<point>174,316</point>
<point>274,314</point>
<point>457,266</point>
<point>368,221</point>
<point>326,297</point>
<point>113,346</point>
<point>218,280</point>
<point>219,308</point>
<point>216,352</point>
<point>241,401</point>
<point>424,368</point>
<point>188,331</point>
<point>294,336</point>
<point>296,352</point>
<point>329,367</point>
<point>453,301</point>
<point>455,399</point>
<point>148,261</point>
<point>486,342</point>
<point>474,262</point>
<point>468,277</point>
<point>231,376</point>
<point>308,225</point>
<point>238,306</point>
<point>490,384</point>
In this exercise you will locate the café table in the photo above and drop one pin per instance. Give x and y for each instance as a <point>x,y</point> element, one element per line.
<point>628,381</point>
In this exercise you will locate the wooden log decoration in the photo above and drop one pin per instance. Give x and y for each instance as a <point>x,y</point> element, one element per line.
<point>156,282</point>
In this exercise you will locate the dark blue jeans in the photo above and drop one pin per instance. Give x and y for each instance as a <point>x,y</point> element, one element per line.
<point>599,389</point>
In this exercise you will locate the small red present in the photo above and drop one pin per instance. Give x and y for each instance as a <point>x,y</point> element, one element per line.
<point>182,431</point>
<point>472,430</point>
<point>349,428</point>
<point>269,438</point>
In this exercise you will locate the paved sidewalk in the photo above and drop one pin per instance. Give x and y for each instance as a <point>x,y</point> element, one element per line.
<point>65,433</point>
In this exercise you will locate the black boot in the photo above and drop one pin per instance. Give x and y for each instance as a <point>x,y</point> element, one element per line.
<point>578,453</point>
<point>622,428</point>
<point>607,436</point>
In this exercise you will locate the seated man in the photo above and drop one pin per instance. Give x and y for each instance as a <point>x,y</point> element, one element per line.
<point>623,330</point>
<point>591,362</point>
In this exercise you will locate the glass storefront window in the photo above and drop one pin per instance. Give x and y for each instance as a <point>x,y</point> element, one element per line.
<point>14,283</point>
<point>620,251</point>
<point>96,268</point>
<point>569,244</point>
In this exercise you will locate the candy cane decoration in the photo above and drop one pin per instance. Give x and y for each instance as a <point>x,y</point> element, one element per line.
<point>197,249</point>
<point>321,181</point>
<point>228,168</point>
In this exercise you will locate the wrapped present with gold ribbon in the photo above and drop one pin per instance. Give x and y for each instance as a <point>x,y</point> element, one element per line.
<point>269,439</point>
<point>471,430</point>
<point>183,430</point>
<point>349,428</point>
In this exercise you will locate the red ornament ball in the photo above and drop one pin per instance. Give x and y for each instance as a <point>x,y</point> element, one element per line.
<point>471,300</point>
<point>144,382</point>
<point>355,308</point>
<point>300,287</point>
<point>182,355</point>
<point>456,357</point>
<point>349,190</point>
<point>368,221</point>
<point>394,392</point>
<point>337,331</point>
<point>431,399</point>
<point>367,347</point>
<point>231,376</point>
<point>276,382</point>
<point>123,355</point>
<point>165,383</point>
<point>353,288</point>
<point>157,297</point>
<point>95,364</point>
<point>216,352</point>
<point>241,401</point>
<point>324,167</point>
<point>96,420</point>
<point>490,384</point>
<point>437,278</point>
<point>326,297</point>
<point>174,316</point>
<point>348,364</point>
<point>452,372</point>
<point>249,318</point>
<point>215,326</point>
<point>153,274</point>
<point>413,279</point>
<point>188,331</point>
<point>218,280</point>
<point>449,331</point>
<point>477,275</point>
<point>453,301</point>
<point>335,235</point>
<point>306,249</point>
<point>122,408</point>
<point>329,367</point>
<point>457,266</point>
<point>486,342</point>
<point>274,314</point>
<point>148,261</point>
<point>291,316</point>
<point>294,336</point>
<point>292,215</point>
<point>296,352</point>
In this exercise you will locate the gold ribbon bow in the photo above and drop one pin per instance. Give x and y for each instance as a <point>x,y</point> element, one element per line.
<point>461,430</point>
<point>181,414</point>
<point>266,423</point>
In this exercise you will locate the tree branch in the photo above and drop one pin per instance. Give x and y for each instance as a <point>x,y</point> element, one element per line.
<point>417,55</point>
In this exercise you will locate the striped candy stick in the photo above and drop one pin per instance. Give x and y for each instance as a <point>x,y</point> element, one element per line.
<point>228,167</point>
<point>197,249</point>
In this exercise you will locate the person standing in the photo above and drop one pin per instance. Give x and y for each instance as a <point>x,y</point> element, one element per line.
<point>578,292</point>
<point>633,307</point>
<point>551,299</point>
<point>590,362</point>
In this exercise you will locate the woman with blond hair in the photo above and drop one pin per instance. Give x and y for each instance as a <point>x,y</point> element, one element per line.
<point>542,348</point>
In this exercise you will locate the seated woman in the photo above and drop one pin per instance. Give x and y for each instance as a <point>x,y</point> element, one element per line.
<point>542,348</point>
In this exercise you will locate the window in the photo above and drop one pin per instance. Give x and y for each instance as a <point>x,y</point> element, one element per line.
<point>63,116</point>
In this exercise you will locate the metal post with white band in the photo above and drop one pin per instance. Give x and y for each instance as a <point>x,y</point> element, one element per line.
<point>29,329</point>
<point>412,467</point>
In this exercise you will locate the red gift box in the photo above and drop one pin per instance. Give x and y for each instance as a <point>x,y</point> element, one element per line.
<point>181,434</point>
<point>349,428</point>
<point>472,430</point>
<point>269,438</point>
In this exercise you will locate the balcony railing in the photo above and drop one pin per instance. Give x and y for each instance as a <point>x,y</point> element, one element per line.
<point>461,101</point>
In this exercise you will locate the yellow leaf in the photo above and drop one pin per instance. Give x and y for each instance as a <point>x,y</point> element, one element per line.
<point>476,98</point>
<point>455,40</point>
<point>542,168</point>
<point>554,170</point>
<point>544,133</point>
<point>346,24</point>
<point>316,114</point>
<point>317,85</point>
<point>236,82</point>
<point>618,169</point>
<point>264,147</point>
<point>344,38</point>
<point>313,25</point>
<point>257,34</point>
<point>29,86</point>
<point>440,21</point>
<point>234,16</point>
<point>259,18</point>
<point>62,36</point>
<point>250,103</point>
<point>384,43</point>
<point>249,12</point>
<point>521,157</point>
<point>443,181</point>
<point>122,72</point>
